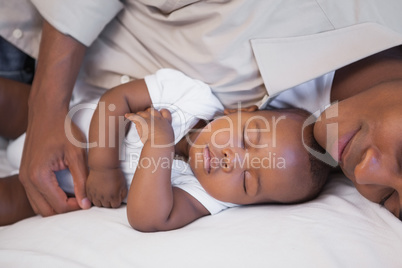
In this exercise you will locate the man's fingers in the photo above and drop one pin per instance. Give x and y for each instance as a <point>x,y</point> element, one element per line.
<point>78,169</point>
<point>75,160</point>
<point>44,209</point>
<point>56,197</point>
<point>45,195</point>
<point>38,201</point>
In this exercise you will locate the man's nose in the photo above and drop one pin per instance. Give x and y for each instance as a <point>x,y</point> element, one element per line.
<point>372,167</point>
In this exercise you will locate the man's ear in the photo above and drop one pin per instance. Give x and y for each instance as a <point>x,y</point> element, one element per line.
<point>249,109</point>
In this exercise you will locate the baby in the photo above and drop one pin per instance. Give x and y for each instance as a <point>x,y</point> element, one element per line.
<point>177,165</point>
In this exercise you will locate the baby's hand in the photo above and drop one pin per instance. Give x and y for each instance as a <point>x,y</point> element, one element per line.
<point>106,188</point>
<point>153,125</point>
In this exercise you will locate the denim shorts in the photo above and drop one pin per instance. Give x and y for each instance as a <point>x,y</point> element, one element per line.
<point>15,64</point>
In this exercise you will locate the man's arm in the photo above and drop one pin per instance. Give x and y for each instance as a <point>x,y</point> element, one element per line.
<point>106,185</point>
<point>153,204</point>
<point>47,148</point>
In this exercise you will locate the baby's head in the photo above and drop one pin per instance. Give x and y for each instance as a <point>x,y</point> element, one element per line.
<point>255,156</point>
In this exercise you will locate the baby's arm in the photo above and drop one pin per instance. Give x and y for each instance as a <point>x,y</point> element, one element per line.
<point>106,185</point>
<point>153,204</point>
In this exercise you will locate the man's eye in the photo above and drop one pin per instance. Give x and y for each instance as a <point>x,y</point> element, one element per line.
<point>382,202</point>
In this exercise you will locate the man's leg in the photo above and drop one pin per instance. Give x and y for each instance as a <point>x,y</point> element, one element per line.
<point>13,108</point>
<point>15,64</point>
<point>14,203</point>
<point>16,75</point>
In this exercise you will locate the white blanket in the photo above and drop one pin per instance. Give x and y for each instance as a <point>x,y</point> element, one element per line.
<point>338,229</point>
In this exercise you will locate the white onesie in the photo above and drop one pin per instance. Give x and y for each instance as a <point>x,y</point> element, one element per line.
<point>187,99</point>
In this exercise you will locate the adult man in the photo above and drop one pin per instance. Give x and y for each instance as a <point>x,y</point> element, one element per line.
<point>219,42</point>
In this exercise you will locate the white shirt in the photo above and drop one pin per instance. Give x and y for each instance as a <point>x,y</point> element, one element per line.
<point>243,49</point>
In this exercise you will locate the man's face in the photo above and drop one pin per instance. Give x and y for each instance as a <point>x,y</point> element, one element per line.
<point>368,142</point>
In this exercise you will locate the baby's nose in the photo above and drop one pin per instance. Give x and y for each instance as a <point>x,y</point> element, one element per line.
<point>234,159</point>
<point>227,166</point>
<point>227,160</point>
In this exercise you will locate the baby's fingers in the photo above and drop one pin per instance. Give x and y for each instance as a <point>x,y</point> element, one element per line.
<point>138,118</point>
<point>141,125</point>
<point>166,114</point>
<point>130,116</point>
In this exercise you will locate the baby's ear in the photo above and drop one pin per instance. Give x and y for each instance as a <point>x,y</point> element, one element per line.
<point>249,109</point>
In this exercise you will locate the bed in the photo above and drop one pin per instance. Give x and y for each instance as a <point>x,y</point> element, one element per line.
<point>338,229</point>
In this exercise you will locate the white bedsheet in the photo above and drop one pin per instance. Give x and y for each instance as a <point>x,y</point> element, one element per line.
<point>338,229</point>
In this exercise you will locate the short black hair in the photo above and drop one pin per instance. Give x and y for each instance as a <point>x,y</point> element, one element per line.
<point>319,170</point>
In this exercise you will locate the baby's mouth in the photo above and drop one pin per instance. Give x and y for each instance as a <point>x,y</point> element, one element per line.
<point>207,160</point>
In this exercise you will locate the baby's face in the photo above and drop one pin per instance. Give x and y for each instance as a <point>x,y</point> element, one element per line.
<point>252,157</point>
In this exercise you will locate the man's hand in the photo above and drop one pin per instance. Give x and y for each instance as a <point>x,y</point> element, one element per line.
<point>106,188</point>
<point>48,149</point>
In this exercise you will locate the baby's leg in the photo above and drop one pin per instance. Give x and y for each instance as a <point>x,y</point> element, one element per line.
<point>13,108</point>
<point>14,204</point>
